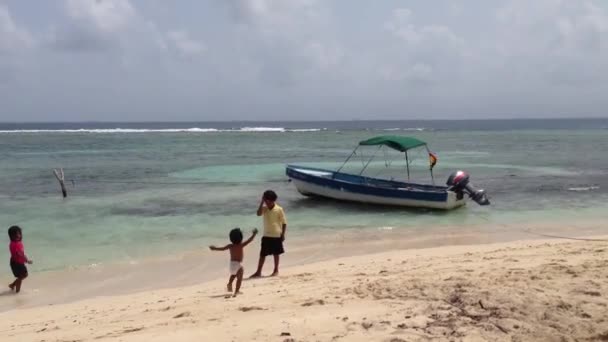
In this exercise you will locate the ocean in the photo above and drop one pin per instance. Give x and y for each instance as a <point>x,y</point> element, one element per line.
<point>142,190</point>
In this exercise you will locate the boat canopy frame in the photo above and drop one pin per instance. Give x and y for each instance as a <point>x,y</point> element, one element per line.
<point>395,142</point>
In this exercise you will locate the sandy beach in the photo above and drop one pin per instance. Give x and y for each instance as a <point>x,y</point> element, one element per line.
<point>541,290</point>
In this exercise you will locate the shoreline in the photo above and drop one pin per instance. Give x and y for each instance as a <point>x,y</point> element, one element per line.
<point>538,289</point>
<point>201,266</point>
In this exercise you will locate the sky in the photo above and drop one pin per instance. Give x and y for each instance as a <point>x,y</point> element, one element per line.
<point>220,60</point>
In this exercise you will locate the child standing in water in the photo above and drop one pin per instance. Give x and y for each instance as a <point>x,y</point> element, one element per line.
<point>236,257</point>
<point>275,225</point>
<point>18,258</point>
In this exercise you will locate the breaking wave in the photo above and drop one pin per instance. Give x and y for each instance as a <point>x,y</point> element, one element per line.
<point>584,188</point>
<point>415,129</point>
<point>164,130</point>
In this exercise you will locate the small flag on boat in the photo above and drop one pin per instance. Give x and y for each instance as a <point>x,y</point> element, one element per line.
<point>432,159</point>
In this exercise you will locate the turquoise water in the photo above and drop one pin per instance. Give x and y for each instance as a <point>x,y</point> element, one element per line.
<point>140,194</point>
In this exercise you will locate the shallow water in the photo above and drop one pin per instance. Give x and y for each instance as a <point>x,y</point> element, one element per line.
<point>149,192</point>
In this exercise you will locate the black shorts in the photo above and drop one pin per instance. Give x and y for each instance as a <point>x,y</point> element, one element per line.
<point>19,270</point>
<point>271,246</point>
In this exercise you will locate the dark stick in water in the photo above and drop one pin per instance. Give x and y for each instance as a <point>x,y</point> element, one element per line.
<point>60,177</point>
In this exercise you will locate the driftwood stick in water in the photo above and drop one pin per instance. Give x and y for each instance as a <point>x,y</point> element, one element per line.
<point>60,177</point>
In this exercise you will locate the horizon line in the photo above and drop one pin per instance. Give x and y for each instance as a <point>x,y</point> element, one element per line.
<point>285,121</point>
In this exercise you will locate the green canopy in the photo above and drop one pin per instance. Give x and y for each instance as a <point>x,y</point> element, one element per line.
<point>399,143</point>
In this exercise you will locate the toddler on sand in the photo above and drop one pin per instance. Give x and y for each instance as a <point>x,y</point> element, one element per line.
<point>236,256</point>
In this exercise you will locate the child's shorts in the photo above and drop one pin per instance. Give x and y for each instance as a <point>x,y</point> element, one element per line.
<point>19,270</point>
<point>271,246</point>
<point>235,266</point>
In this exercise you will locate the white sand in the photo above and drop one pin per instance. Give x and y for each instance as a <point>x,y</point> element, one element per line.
<point>546,290</point>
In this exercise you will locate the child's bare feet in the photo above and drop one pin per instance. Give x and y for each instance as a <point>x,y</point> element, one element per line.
<point>274,274</point>
<point>237,293</point>
<point>11,286</point>
<point>256,275</point>
<point>229,287</point>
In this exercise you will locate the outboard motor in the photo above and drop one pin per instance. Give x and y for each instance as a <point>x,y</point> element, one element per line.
<point>459,183</point>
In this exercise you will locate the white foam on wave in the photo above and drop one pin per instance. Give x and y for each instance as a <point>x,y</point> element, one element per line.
<point>115,130</point>
<point>162,130</point>
<point>584,188</point>
<point>409,129</point>
<point>414,129</point>
<point>307,130</point>
<point>262,129</point>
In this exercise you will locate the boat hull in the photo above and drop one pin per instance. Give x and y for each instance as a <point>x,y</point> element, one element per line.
<point>352,188</point>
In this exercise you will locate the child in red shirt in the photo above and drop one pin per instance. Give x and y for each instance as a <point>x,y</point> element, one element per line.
<point>18,258</point>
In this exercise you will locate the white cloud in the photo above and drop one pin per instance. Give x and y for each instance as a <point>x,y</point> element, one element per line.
<point>564,42</point>
<point>16,43</point>
<point>288,42</point>
<point>402,26</point>
<point>103,25</point>
<point>272,15</point>
<point>12,37</point>
<point>105,15</point>
<point>93,25</point>
<point>424,53</point>
<point>118,26</point>
<point>552,25</point>
<point>419,73</point>
<point>323,56</point>
<point>181,41</point>
<point>515,55</point>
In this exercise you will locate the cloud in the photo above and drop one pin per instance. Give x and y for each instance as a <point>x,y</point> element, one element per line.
<point>12,37</point>
<point>181,41</point>
<point>347,58</point>
<point>92,25</point>
<point>424,54</point>
<point>288,42</point>
<point>563,42</point>
<point>418,73</point>
<point>15,44</point>
<point>116,26</point>
<point>545,43</point>
<point>401,25</point>
<point>271,15</point>
<point>95,25</point>
<point>105,15</point>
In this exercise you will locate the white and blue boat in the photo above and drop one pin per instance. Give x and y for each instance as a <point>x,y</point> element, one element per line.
<point>342,186</point>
